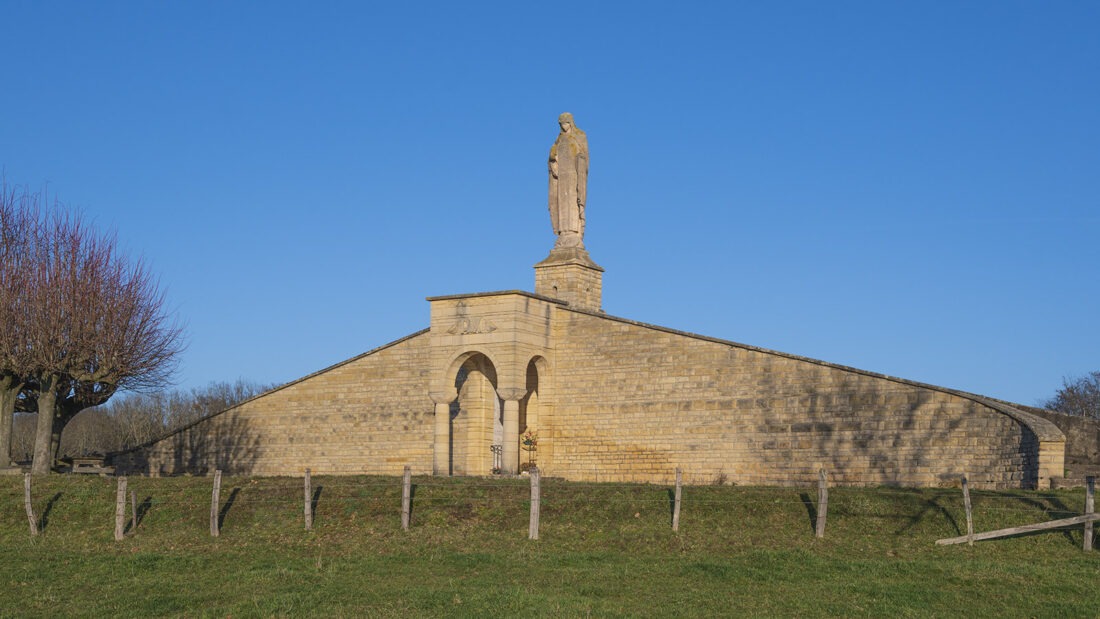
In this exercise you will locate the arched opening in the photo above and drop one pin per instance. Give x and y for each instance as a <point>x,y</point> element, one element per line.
<point>476,418</point>
<point>529,413</point>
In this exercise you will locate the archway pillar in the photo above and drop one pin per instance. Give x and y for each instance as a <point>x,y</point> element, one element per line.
<point>510,452</point>
<point>441,444</point>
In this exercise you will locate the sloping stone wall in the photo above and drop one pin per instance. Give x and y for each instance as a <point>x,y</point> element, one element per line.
<point>1082,445</point>
<point>371,414</point>
<point>620,400</point>
<point>634,402</point>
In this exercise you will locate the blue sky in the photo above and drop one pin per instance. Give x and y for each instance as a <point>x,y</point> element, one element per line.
<point>908,188</point>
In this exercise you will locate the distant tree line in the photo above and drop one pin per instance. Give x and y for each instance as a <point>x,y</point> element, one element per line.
<point>133,419</point>
<point>1079,396</point>
<point>79,321</point>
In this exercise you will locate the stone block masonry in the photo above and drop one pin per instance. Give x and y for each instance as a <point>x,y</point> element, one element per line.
<point>636,401</point>
<point>618,400</point>
<point>371,414</point>
<point>570,276</point>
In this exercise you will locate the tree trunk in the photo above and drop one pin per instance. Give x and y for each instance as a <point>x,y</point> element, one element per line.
<point>9,393</point>
<point>43,435</point>
<point>55,436</point>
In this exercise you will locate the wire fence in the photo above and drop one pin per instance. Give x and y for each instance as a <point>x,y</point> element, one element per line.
<point>399,497</point>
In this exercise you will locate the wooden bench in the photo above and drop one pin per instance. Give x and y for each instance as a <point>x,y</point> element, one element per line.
<point>93,465</point>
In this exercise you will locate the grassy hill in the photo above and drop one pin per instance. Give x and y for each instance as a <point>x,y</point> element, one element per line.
<point>604,550</point>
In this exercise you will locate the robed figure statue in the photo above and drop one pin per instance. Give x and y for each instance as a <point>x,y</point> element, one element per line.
<point>568,183</point>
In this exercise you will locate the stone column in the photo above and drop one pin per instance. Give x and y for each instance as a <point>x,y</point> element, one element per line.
<point>441,454</point>
<point>510,457</point>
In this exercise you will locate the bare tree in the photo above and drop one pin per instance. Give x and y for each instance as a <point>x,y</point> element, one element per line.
<point>91,432</point>
<point>1079,396</point>
<point>22,442</point>
<point>143,417</point>
<point>19,218</point>
<point>93,322</point>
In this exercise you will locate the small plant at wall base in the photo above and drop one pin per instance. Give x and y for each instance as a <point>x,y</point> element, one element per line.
<point>530,443</point>
<point>530,440</point>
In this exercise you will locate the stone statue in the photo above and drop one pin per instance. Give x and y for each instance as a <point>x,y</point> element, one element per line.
<point>568,183</point>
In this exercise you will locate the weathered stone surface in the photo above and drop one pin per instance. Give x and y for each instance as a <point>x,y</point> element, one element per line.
<point>1082,445</point>
<point>568,183</point>
<point>613,399</point>
<point>371,414</point>
<point>570,275</point>
<point>654,399</point>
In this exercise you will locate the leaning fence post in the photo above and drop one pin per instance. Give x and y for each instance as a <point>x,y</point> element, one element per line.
<point>307,508</point>
<point>27,501</point>
<point>120,510</point>
<point>214,531</point>
<point>1090,507</point>
<point>969,512</point>
<point>822,503</point>
<point>676,501</point>
<point>406,497</point>
<point>133,510</point>
<point>533,530</point>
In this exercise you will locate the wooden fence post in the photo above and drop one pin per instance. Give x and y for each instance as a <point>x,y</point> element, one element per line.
<point>969,512</point>
<point>676,501</point>
<point>406,497</point>
<point>1090,507</point>
<point>214,529</point>
<point>133,510</point>
<point>308,505</point>
<point>1061,523</point>
<point>27,501</point>
<point>822,503</point>
<point>120,510</point>
<point>533,530</point>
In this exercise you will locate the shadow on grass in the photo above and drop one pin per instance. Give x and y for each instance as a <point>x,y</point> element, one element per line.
<point>1053,509</point>
<point>224,511</point>
<point>811,509</point>
<point>139,514</point>
<point>314,500</point>
<point>44,521</point>
<point>930,506</point>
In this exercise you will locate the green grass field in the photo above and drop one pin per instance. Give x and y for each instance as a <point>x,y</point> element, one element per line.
<point>605,550</point>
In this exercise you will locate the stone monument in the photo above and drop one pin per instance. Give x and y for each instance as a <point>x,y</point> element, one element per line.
<point>568,183</point>
<point>612,399</point>
<point>568,273</point>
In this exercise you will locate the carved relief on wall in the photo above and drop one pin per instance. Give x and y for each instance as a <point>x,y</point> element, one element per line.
<point>465,325</point>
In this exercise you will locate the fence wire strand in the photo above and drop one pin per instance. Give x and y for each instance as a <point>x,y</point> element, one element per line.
<point>381,496</point>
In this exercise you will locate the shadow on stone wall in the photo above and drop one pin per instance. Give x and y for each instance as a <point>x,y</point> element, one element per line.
<point>896,434</point>
<point>222,442</point>
<point>1082,444</point>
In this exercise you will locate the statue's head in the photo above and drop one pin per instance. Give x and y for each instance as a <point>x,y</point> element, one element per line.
<point>566,121</point>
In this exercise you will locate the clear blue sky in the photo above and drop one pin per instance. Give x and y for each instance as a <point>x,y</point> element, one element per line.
<point>910,188</point>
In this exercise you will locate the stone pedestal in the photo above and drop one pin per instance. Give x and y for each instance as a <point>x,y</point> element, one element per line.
<point>569,274</point>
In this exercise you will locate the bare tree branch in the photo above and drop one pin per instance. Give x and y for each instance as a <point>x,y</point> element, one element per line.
<point>78,320</point>
<point>1079,396</point>
<point>19,217</point>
